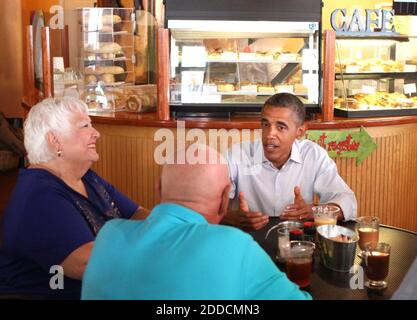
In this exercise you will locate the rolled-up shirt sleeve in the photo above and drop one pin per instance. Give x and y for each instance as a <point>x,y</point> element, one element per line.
<point>332,189</point>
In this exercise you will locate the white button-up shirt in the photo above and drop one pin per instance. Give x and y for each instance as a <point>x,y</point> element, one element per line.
<point>268,189</point>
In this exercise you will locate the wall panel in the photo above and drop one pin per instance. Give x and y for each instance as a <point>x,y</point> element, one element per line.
<point>385,183</point>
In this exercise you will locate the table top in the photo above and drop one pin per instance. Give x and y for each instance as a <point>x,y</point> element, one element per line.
<point>328,284</point>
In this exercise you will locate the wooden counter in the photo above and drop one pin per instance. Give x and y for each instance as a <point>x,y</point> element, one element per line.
<point>239,122</point>
<point>385,184</point>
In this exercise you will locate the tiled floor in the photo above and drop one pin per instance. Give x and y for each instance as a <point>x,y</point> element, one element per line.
<point>7,182</point>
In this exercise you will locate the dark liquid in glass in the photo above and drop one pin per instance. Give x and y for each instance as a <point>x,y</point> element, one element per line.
<point>378,265</point>
<point>368,236</point>
<point>299,271</point>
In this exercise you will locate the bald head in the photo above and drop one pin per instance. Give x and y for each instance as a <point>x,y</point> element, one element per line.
<point>201,187</point>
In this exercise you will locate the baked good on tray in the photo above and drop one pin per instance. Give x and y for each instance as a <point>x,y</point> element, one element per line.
<point>225,87</point>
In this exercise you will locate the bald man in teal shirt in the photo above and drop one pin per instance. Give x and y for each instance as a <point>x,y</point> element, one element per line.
<point>180,251</point>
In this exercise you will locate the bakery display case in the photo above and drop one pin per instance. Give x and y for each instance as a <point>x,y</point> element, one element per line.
<point>228,60</point>
<point>106,55</point>
<point>239,69</point>
<point>375,76</point>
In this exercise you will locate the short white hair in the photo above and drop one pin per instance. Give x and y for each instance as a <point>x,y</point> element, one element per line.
<point>49,116</point>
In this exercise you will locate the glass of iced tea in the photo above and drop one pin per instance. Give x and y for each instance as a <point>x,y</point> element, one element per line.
<point>368,231</point>
<point>377,265</point>
<point>299,264</point>
<point>325,214</point>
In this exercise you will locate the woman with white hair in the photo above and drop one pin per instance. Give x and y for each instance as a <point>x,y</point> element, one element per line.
<point>58,205</point>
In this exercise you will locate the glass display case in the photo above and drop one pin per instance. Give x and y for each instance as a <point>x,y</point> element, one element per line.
<point>375,76</point>
<point>106,55</point>
<point>237,65</point>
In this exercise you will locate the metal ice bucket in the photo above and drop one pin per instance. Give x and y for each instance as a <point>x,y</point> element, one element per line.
<point>336,255</point>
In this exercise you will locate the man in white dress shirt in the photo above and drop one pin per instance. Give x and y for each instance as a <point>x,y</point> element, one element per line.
<point>284,180</point>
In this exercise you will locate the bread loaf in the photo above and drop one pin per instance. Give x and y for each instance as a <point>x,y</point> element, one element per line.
<point>107,19</point>
<point>107,56</point>
<point>90,70</point>
<point>134,103</point>
<point>91,79</point>
<point>109,69</point>
<point>107,78</point>
<point>97,70</point>
<point>225,87</point>
<point>104,47</point>
<point>110,19</point>
<point>115,98</point>
<point>109,47</point>
<point>106,29</point>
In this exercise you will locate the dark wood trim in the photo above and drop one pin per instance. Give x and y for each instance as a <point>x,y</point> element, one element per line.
<point>46,63</point>
<point>30,67</point>
<point>329,74</point>
<point>151,120</point>
<point>162,81</point>
<point>341,123</point>
<point>105,3</point>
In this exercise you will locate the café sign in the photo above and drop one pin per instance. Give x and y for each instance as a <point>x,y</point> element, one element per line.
<point>363,22</point>
<point>345,143</point>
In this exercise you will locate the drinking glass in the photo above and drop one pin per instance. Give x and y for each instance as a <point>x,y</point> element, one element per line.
<point>286,231</point>
<point>283,243</point>
<point>368,231</point>
<point>299,264</point>
<point>285,235</point>
<point>377,265</point>
<point>325,214</point>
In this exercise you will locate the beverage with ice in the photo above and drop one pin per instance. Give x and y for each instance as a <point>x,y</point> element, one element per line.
<point>299,263</point>
<point>325,214</point>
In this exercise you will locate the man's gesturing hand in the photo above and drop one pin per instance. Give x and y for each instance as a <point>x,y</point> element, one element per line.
<point>299,209</point>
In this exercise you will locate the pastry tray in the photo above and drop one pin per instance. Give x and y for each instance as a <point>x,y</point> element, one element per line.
<point>375,113</point>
